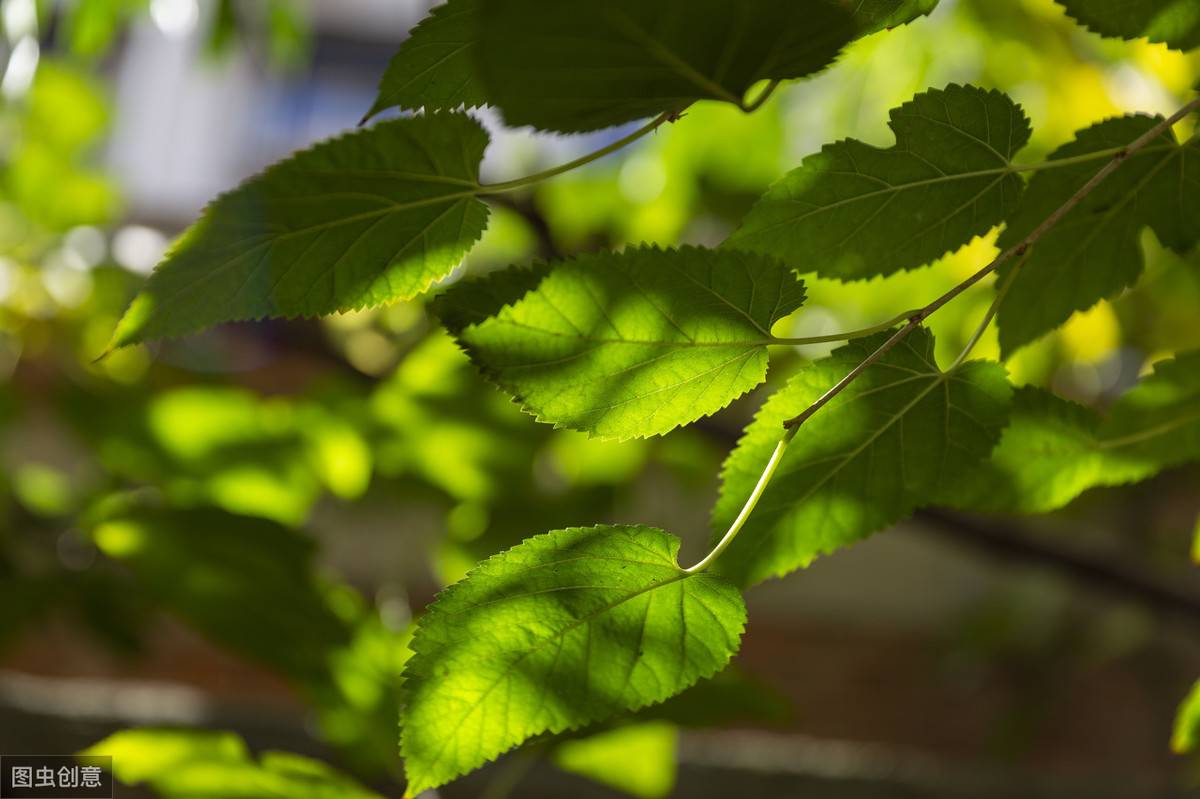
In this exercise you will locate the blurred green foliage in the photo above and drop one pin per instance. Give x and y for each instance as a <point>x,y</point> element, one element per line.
<point>146,484</point>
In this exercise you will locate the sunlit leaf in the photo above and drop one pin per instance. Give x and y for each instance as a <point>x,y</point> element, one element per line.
<point>856,211</point>
<point>1053,450</point>
<point>475,299</point>
<point>875,453</point>
<point>567,629</point>
<point>637,343</point>
<point>434,68</point>
<point>196,764</point>
<point>1186,735</point>
<point>1176,22</point>
<point>638,759</point>
<point>371,217</point>
<point>1095,251</point>
<point>578,65</point>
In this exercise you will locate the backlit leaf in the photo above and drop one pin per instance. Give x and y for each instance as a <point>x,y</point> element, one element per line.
<point>856,211</point>
<point>639,342</point>
<point>875,453</point>
<point>1095,251</point>
<point>576,65</point>
<point>1053,450</point>
<point>566,629</point>
<point>876,15</point>
<point>475,299</point>
<point>434,68</point>
<point>1176,22</point>
<point>638,759</point>
<point>371,217</point>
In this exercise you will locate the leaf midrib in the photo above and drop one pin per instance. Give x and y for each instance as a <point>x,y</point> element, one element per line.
<point>537,646</point>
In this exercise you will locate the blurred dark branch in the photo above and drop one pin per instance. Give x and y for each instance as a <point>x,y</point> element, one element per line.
<point>523,206</point>
<point>1008,541</point>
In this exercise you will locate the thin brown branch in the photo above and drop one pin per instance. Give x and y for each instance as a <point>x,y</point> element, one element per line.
<point>1015,251</point>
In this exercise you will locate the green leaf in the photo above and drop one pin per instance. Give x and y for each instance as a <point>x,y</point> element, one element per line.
<point>577,65</point>
<point>369,218</point>
<point>856,211</point>
<point>1053,450</point>
<point>874,454</point>
<point>474,300</point>
<point>638,759</point>
<point>434,68</point>
<point>1175,22</point>
<point>246,583</point>
<point>877,15</point>
<point>1158,420</point>
<point>1045,458</point>
<point>1095,251</point>
<point>566,629</point>
<point>1186,735</point>
<point>637,343</point>
<point>196,764</point>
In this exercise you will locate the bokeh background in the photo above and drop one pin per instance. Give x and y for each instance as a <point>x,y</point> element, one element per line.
<point>233,531</point>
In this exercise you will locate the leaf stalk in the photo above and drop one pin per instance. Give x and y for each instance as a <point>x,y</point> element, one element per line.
<point>918,317</point>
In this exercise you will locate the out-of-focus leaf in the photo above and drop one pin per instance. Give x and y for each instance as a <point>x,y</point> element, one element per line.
<point>246,583</point>
<point>1186,735</point>
<point>877,451</point>
<point>194,764</point>
<point>564,630</point>
<point>371,217</point>
<point>730,697</point>
<point>91,26</point>
<point>633,344</point>
<point>638,759</point>
<point>856,211</point>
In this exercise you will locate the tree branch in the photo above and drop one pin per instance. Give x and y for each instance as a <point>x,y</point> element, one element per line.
<point>1009,542</point>
<point>1015,251</point>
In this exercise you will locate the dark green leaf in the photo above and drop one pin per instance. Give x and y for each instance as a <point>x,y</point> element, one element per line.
<point>246,583</point>
<point>875,453</point>
<point>368,218</point>
<point>637,343</point>
<point>1176,22</point>
<point>1095,251</point>
<point>856,211</point>
<point>576,65</point>
<point>876,15</point>
<point>475,299</point>
<point>434,68</point>
<point>566,629</point>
